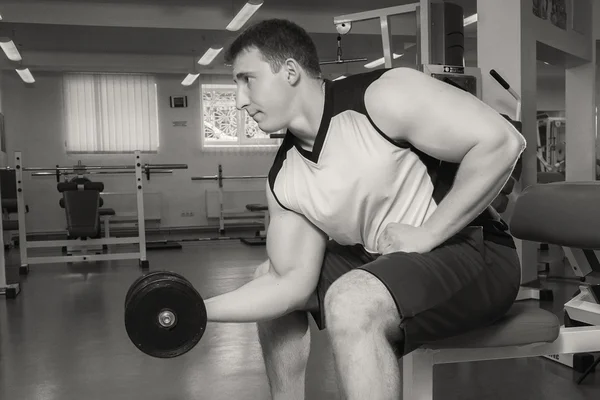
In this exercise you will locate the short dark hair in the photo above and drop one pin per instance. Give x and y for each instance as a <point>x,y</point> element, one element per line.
<point>278,40</point>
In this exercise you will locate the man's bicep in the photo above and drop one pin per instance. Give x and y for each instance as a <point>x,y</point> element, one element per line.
<point>294,245</point>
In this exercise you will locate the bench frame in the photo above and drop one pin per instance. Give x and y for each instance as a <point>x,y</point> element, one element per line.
<point>418,365</point>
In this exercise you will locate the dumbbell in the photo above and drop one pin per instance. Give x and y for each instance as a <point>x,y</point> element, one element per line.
<point>165,316</point>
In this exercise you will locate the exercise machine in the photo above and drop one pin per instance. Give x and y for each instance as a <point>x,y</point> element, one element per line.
<point>551,143</point>
<point>140,240</point>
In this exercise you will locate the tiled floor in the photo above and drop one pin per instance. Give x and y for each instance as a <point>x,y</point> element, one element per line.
<point>63,338</point>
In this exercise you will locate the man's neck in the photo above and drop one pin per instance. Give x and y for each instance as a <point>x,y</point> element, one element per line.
<point>310,105</point>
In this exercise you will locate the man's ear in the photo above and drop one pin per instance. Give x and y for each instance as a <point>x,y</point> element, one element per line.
<point>292,71</point>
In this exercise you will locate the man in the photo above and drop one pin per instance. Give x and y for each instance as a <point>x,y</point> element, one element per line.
<point>379,228</point>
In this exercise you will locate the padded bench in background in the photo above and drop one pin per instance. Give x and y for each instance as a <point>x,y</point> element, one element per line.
<point>561,213</point>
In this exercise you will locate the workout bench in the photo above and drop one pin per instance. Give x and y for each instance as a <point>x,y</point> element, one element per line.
<point>561,213</point>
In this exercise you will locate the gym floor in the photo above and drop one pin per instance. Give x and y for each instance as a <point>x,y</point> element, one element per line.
<point>64,338</point>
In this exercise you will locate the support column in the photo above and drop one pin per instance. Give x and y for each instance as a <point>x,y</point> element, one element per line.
<point>580,104</point>
<point>505,43</point>
<point>580,110</point>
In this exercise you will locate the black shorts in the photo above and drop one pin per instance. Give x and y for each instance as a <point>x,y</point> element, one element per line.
<point>467,282</point>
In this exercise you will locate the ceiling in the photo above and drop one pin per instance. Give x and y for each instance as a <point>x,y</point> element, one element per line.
<point>166,36</point>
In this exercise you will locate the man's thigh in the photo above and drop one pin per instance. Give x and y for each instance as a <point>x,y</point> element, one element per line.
<point>464,284</point>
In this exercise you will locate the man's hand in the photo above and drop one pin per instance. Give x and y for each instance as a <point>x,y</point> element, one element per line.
<point>405,238</point>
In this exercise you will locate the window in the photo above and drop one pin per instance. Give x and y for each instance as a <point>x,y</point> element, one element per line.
<point>110,113</point>
<point>225,126</point>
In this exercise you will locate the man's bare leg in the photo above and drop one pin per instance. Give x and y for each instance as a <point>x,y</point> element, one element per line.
<point>361,320</point>
<point>285,344</point>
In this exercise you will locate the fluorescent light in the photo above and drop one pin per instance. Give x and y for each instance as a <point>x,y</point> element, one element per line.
<point>340,77</point>
<point>209,56</point>
<point>380,61</point>
<point>25,74</point>
<point>189,79</point>
<point>244,15</point>
<point>10,49</point>
<point>470,20</point>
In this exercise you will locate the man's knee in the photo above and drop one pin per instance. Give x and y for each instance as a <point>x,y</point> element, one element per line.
<point>359,302</point>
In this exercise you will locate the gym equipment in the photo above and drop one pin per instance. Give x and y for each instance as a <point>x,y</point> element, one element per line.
<point>444,46</point>
<point>10,291</point>
<point>339,59</point>
<point>165,316</point>
<point>525,292</point>
<point>175,244</point>
<point>261,236</point>
<point>81,201</point>
<point>551,150</point>
<point>220,178</point>
<point>8,180</point>
<point>137,167</point>
<point>147,171</point>
<point>540,215</point>
<point>163,245</point>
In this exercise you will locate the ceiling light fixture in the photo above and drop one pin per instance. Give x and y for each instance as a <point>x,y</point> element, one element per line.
<point>10,49</point>
<point>189,79</point>
<point>209,56</point>
<point>25,75</point>
<point>244,15</point>
<point>470,20</point>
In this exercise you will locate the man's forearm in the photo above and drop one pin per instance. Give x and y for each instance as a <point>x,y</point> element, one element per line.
<point>481,175</point>
<point>266,297</point>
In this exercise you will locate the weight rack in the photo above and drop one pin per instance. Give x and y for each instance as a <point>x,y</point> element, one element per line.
<point>140,240</point>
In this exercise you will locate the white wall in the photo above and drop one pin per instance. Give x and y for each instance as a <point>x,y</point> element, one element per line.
<point>34,126</point>
<point>551,94</point>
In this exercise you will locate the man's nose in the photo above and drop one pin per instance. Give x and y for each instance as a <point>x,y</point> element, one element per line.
<point>241,99</point>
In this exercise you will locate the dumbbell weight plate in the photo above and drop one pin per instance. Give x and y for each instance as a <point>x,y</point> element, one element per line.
<point>160,292</point>
<point>138,282</point>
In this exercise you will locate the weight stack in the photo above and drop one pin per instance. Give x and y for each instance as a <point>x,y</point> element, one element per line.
<point>447,39</point>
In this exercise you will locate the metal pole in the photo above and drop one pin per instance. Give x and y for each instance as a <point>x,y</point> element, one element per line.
<point>100,173</point>
<point>140,207</point>
<point>221,199</point>
<point>216,177</point>
<point>386,37</point>
<point>21,212</point>
<point>166,166</point>
<point>425,30</point>
<point>106,167</point>
<point>366,15</point>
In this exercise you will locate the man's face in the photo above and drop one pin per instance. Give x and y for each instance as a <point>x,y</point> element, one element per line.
<point>263,94</point>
